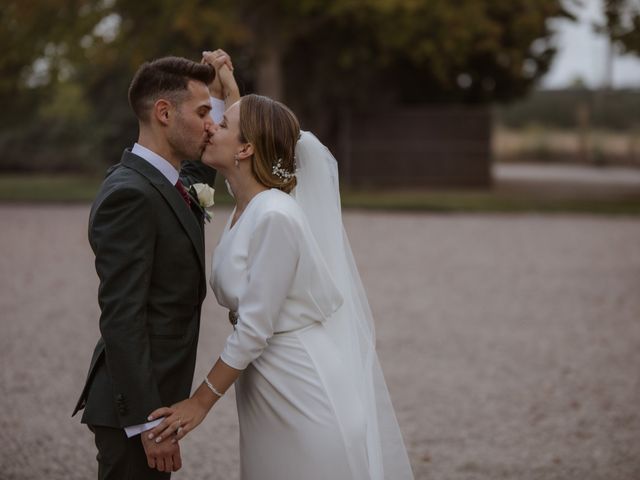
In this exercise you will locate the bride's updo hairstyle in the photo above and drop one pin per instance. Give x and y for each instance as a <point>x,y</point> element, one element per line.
<point>273,130</point>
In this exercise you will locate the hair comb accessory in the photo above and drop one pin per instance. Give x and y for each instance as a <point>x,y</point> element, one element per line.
<point>280,172</point>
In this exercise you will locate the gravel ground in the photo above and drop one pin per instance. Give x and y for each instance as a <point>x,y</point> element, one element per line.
<point>511,344</point>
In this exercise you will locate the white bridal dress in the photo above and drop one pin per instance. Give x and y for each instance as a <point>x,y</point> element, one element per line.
<point>312,402</point>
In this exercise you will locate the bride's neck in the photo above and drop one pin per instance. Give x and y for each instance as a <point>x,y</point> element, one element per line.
<point>244,189</point>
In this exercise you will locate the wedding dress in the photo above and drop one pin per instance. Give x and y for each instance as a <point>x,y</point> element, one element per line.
<point>312,402</point>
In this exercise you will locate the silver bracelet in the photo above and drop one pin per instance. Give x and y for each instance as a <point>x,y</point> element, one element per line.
<point>212,388</point>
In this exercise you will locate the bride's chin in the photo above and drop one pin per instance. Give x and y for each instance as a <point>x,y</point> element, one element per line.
<point>207,160</point>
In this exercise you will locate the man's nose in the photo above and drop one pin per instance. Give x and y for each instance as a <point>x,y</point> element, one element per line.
<point>211,127</point>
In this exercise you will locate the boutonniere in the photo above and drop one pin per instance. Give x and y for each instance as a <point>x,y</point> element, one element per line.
<point>203,193</point>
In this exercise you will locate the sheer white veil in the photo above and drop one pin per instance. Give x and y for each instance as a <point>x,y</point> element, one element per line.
<point>318,194</point>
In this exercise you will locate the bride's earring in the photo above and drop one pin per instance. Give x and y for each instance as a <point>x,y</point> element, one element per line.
<point>237,162</point>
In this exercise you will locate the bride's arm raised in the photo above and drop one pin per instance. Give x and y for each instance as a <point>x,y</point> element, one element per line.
<point>224,86</point>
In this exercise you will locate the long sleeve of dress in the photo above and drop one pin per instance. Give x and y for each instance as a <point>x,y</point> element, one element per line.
<point>217,109</point>
<point>272,263</point>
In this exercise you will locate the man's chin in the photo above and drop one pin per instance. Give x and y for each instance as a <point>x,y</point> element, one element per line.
<point>204,157</point>
<point>201,152</point>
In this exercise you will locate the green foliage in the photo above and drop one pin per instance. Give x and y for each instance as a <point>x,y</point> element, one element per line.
<point>47,188</point>
<point>622,24</point>
<point>67,64</point>
<point>73,188</point>
<point>422,51</point>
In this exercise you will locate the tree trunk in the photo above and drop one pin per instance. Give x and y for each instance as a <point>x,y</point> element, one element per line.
<point>269,71</point>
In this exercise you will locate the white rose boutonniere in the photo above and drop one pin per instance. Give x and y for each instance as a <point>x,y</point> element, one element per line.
<point>204,193</point>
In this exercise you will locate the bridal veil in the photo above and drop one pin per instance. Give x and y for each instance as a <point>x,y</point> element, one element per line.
<point>351,326</point>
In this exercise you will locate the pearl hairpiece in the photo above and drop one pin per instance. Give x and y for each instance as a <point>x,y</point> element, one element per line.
<point>280,172</point>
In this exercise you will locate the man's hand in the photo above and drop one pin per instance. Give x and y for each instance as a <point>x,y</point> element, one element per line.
<point>164,457</point>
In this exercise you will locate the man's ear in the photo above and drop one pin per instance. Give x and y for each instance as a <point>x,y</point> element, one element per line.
<point>246,151</point>
<point>161,111</point>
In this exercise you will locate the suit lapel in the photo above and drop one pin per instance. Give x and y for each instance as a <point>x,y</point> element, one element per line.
<point>173,198</point>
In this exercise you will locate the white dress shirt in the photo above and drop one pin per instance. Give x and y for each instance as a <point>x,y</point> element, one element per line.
<point>166,169</point>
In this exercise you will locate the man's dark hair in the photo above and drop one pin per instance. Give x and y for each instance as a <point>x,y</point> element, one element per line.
<point>166,77</point>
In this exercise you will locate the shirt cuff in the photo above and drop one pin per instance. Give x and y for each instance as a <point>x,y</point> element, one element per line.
<point>134,430</point>
<point>217,109</point>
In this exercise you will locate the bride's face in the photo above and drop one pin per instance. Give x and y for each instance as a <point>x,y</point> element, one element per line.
<point>225,141</point>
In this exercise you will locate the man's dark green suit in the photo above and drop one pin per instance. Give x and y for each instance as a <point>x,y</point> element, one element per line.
<point>149,256</point>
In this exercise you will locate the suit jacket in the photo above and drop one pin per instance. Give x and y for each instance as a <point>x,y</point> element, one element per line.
<point>149,256</point>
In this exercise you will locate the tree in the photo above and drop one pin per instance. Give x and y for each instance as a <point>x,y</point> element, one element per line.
<point>73,59</point>
<point>622,24</point>
<point>408,52</point>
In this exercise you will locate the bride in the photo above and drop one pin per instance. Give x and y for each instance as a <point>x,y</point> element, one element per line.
<point>312,402</point>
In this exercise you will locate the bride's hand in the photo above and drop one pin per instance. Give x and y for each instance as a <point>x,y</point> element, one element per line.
<point>180,419</point>
<point>224,85</point>
<point>217,58</point>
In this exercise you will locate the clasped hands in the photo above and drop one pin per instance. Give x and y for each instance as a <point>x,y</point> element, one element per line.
<point>223,84</point>
<point>161,442</point>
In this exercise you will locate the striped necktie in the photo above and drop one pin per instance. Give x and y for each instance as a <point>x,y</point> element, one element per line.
<point>183,192</point>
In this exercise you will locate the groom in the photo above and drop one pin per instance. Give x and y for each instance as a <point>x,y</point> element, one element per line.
<point>146,232</point>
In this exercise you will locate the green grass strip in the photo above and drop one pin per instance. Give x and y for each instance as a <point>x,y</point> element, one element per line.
<point>74,188</point>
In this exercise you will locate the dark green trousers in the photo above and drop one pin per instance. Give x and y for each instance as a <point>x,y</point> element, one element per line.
<point>122,458</point>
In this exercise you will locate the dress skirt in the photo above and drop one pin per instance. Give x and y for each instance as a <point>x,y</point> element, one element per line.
<point>300,416</point>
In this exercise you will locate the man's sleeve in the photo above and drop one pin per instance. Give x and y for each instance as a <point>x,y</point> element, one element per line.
<point>123,237</point>
<point>197,172</point>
